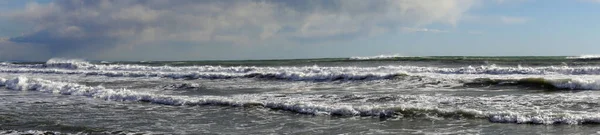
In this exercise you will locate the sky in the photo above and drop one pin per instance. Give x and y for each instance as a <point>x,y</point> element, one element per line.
<point>288,29</point>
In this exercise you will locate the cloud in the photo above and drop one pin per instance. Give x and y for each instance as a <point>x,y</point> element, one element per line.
<point>513,20</point>
<point>408,29</point>
<point>19,51</point>
<point>79,28</point>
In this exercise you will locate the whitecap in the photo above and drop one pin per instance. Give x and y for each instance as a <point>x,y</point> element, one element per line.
<point>376,57</point>
<point>584,57</point>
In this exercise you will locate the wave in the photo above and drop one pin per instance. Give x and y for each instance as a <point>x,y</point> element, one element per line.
<point>53,63</point>
<point>29,132</point>
<point>67,63</point>
<point>537,83</point>
<point>544,118</point>
<point>585,57</point>
<point>42,132</point>
<point>313,73</point>
<point>504,116</point>
<point>323,74</point>
<point>275,75</point>
<point>487,69</point>
<point>412,106</point>
<point>268,101</point>
<point>74,64</point>
<point>320,74</point>
<point>376,57</point>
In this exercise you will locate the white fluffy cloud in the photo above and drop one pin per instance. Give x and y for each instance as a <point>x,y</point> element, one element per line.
<point>80,26</point>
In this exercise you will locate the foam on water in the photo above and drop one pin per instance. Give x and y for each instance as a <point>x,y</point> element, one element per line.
<point>578,84</point>
<point>2,81</point>
<point>584,57</point>
<point>534,109</point>
<point>41,132</point>
<point>485,69</point>
<point>542,83</point>
<point>75,64</point>
<point>376,57</point>
<point>269,101</point>
<point>544,118</point>
<point>30,132</point>
<point>570,80</point>
<point>67,63</point>
<point>306,75</point>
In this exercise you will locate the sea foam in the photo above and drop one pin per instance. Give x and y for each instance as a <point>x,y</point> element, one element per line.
<point>270,101</point>
<point>376,57</point>
<point>67,63</point>
<point>75,64</point>
<point>30,132</point>
<point>356,105</point>
<point>584,57</point>
<point>307,73</point>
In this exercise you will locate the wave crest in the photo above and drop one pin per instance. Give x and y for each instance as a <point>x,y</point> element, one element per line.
<point>376,57</point>
<point>543,118</point>
<point>584,57</point>
<point>537,83</point>
<point>80,65</point>
<point>29,132</point>
<point>268,101</point>
<point>416,106</point>
<point>67,63</point>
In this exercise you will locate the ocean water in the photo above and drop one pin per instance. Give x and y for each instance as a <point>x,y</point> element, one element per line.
<point>358,95</point>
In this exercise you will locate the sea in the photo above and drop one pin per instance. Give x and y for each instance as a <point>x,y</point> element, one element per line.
<point>357,95</point>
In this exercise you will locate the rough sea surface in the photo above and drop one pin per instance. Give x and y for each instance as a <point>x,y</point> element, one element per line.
<point>358,95</point>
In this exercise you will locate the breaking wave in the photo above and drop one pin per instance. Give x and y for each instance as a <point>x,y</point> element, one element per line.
<point>41,132</point>
<point>80,65</point>
<point>74,64</point>
<point>537,83</point>
<point>269,101</point>
<point>30,132</point>
<point>278,75</point>
<point>354,105</point>
<point>544,118</point>
<point>585,57</point>
<point>376,57</point>
<point>67,63</point>
<point>316,73</point>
